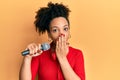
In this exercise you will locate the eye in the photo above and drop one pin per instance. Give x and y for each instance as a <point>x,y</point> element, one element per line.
<point>66,29</point>
<point>54,30</point>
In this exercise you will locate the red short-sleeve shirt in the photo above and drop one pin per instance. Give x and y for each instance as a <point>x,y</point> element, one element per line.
<point>48,68</point>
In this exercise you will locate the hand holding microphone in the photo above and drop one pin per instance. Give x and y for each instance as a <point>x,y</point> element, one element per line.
<point>35,50</point>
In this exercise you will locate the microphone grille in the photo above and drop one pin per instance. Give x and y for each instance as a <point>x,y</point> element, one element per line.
<point>45,46</point>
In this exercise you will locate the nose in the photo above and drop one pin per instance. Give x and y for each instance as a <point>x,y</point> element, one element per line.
<point>61,32</point>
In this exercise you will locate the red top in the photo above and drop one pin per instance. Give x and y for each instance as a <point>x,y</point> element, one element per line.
<point>48,68</point>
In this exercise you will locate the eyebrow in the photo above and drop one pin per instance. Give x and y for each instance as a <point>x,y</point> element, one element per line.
<point>57,27</point>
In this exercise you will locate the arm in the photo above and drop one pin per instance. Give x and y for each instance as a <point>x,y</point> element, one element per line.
<point>29,65</point>
<point>25,71</point>
<point>61,52</point>
<point>68,72</point>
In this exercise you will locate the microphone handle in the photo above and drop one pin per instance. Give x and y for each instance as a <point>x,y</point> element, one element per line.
<point>26,52</point>
<point>44,47</point>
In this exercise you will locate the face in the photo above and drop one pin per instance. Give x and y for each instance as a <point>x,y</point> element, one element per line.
<point>59,26</point>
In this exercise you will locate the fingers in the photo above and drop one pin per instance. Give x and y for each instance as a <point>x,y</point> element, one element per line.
<point>62,40</point>
<point>34,49</point>
<point>61,43</point>
<point>37,54</point>
<point>61,47</point>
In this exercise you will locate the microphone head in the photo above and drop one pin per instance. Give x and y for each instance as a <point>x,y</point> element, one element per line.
<point>45,46</point>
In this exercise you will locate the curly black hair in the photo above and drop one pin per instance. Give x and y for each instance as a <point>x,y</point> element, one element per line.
<point>46,14</point>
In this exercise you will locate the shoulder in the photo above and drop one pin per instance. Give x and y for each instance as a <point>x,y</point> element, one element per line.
<point>75,50</point>
<point>76,53</point>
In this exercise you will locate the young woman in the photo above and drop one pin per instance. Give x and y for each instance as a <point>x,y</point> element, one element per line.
<point>60,62</point>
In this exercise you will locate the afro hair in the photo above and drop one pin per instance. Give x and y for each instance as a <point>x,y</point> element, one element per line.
<point>46,14</point>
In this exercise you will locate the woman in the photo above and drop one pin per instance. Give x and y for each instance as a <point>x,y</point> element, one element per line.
<point>60,62</point>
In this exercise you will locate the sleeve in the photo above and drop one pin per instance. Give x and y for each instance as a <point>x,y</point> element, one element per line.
<point>34,67</point>
<point>79,65</point>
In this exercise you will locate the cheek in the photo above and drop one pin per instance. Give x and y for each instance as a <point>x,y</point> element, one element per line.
<point>67,37</point>
<point>54,36</point>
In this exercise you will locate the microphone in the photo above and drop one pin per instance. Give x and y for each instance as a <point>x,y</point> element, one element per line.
<point>44,47</point>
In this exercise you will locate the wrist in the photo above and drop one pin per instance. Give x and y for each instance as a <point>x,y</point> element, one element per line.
<point>62,59</point>
<point>27,59</point>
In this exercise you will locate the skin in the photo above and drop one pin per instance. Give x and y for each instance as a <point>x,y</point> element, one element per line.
<point>59,33</point>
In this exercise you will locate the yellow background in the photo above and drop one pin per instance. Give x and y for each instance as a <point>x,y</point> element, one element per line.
<point>95,29</point>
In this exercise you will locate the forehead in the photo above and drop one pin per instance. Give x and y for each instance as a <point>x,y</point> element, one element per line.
<point>59,21</point>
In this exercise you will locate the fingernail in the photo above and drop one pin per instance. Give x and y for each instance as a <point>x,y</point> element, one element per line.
<point>38,51</point>
<point>31,54</point>
<point>63,35</point>
<point>59,36</point>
